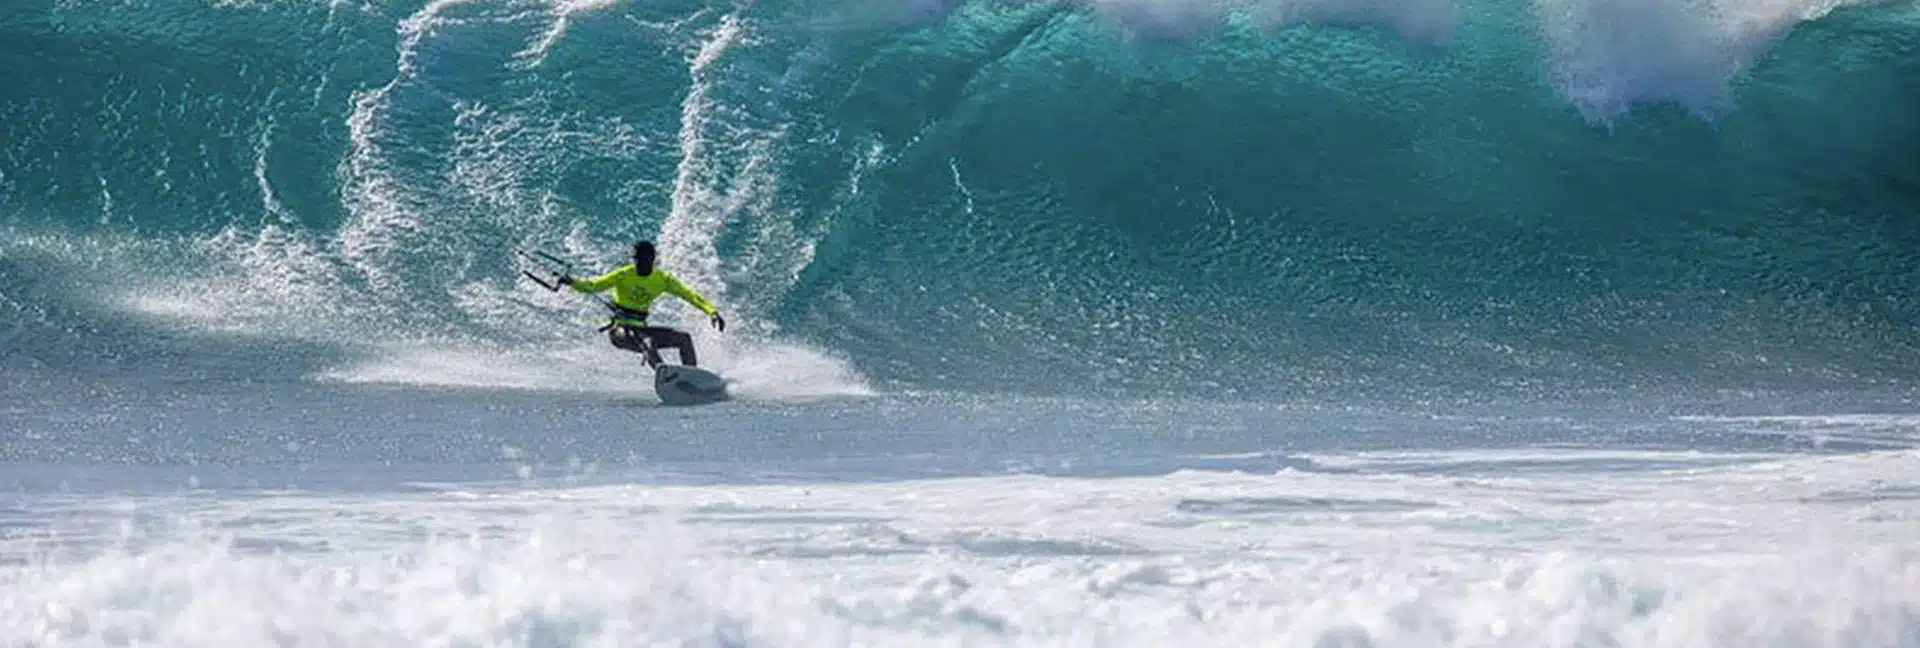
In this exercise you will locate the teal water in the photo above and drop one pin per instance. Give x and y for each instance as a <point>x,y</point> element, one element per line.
<point>1298,323</point>
<point>1124,198</point>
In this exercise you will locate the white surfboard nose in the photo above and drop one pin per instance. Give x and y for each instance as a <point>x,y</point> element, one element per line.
<point>682,385</point>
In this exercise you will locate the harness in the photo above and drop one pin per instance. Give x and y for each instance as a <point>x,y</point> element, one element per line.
<point>623,316</point>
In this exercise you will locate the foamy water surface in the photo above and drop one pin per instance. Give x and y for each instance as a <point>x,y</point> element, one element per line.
<point>1529,546</point>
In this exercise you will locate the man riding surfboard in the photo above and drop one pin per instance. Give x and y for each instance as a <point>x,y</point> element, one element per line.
<point>635,286</point>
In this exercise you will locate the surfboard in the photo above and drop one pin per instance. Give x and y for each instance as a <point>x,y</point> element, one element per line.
<point>683,385</point>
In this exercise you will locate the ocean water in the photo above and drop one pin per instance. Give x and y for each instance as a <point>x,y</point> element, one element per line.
<point>1315,323</point>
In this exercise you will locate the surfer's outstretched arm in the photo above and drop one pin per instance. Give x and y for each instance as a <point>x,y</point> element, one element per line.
<point>595,285</point>
<point>688,295</point>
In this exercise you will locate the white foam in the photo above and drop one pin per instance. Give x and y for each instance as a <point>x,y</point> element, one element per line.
<point>783,372</point>
<point>564,13</point>
<point>700,205</point>
<point>1608,55</point>
<point>1519,461</point>
<point>757,372</point>
<point>566,587</point>
<point>1603,56</point>
<point>271,282</point>
<point>1726,556</point>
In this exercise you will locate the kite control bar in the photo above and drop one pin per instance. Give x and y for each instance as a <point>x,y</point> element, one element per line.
<point>564,268</point>
<point>543,258</point>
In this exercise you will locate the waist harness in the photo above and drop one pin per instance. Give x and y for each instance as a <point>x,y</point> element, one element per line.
<point>623,316</point>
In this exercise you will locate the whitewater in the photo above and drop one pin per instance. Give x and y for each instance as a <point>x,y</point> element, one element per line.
<point>1300,323</point>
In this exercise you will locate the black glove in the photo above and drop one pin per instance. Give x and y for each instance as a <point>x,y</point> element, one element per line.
<point>564,281</point>
<point>719,323</point>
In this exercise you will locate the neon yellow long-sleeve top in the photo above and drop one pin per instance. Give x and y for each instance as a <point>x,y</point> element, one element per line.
<point>635,291</point>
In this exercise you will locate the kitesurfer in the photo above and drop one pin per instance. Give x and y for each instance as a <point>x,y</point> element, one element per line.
<point>635,286</point>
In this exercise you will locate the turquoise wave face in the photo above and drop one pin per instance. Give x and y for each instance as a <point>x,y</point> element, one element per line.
<point>1250,198</point>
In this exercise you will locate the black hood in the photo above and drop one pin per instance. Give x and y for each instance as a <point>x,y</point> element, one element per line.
<point>643,257</point>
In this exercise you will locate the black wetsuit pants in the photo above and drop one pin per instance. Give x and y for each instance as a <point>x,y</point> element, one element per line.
<point>637,339</point>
